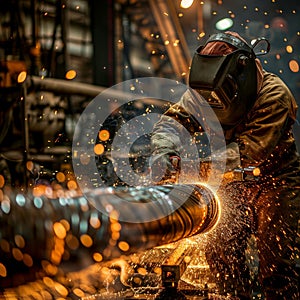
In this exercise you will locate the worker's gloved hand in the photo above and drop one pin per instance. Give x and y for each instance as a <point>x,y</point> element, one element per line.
<point>165,169</point>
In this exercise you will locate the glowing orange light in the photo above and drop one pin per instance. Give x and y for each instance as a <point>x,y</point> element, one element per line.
<point>72,185</point>
<point>29,165</point>
<point>142,271</point>
<point>55,258</point>
<point>256,172</point>
<point>72,242</point>
<point>99,149</point>
<point>27,260</point>
<point>60,176</point>
<point>115,227</point>
<point>114,216</point>
<point>59,230</point>
<point>97,257</point>
<point>48,281</point>
<point>17,254</point>
<point>22,76</point>
<point>61,289</point>
<point>294,66</point>
<point>71,74</point>
<point>79,293</point>
<point>187,259</point>
<point>228,175</point>
<point>51,269</point>
<point>115,235</point>
<point>4,245</point>
<point>3,272</point>
<point>289,49</point>
<point>124,246</point>
<point>103,135</point>
<point>95,222</point>
<point>19,240</point>
<point>66,224</point>
<point>39,190</point>
<point>2,181</point>
<point>86,240</point>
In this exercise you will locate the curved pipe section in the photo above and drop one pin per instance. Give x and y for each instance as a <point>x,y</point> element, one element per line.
<point>44,232</point>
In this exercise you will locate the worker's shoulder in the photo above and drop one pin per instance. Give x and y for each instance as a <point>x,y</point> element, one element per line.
<point>274,89</point>
<point>273,83</point>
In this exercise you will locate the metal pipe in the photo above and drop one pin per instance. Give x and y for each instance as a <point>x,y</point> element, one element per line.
<point>62,86</point>
<point>37,229</point>
<point>65,87</point>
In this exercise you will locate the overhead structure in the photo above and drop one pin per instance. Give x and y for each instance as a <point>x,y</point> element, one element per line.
<point>162,37</point>
<point>172,35</point>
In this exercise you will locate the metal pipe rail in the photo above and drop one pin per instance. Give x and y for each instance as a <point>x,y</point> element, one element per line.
<point>62,86</point>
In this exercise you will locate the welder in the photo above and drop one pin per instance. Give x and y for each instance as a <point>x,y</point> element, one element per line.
<point>256,111</point>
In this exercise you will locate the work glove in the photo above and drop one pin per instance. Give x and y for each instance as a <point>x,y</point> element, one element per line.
<point>165,168</point>
<point>231,154</point>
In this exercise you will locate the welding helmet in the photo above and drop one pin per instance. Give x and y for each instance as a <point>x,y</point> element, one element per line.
<point>226,77</point>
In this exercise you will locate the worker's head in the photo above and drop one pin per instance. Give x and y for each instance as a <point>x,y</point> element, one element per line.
<point>227,74</point>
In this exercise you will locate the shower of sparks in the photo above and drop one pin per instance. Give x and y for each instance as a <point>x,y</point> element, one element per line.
<point>46,113</point>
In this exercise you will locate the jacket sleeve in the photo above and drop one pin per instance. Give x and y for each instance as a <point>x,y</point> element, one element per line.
<point>268,128</point>
<point>174,129</point>
<point>192,121</point>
